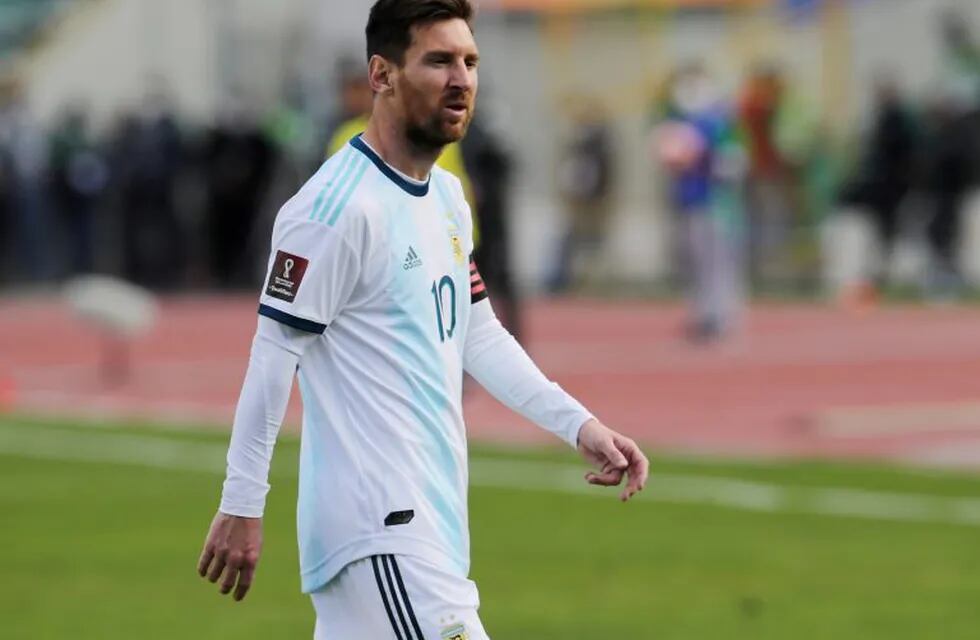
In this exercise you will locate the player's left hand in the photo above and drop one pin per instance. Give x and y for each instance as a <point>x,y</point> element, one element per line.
<point>613,455</point>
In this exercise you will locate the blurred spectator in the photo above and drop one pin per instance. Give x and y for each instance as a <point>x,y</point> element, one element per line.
<point>949,152</point>
<point>297,153</point>
<point>962,63</point>
<point>585,180</point>
<point>291,129</point>
<point>696,142</point>
<point>238,162</point>
<point>814,155</point>
<point>489,166</point>
<point>78,176</point>
<point>768,188</point>
<point>6,207</point>
<point>883,176</point>
<point>146,157</point>
<point>356,102</point>
<point>25,251</point>
<point>952,148</point>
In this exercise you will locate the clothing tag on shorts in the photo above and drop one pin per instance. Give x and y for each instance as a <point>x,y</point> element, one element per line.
<point>455,632</point>
<point>287,274</point>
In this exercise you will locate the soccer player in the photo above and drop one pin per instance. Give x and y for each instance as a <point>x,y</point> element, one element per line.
<point>372,299</point>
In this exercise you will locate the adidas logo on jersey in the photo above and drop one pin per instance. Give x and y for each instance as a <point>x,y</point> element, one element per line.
<point>412,260</point>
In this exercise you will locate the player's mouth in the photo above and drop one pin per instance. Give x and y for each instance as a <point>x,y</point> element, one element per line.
<point>456,110</point>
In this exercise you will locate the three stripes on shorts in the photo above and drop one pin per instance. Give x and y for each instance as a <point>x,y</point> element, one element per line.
<point>395,598</point>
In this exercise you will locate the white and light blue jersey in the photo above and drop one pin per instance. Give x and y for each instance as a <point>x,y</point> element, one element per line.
<point>379,266</point>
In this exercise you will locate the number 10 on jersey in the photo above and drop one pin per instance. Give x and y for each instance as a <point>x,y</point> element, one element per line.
<point>445,312</point>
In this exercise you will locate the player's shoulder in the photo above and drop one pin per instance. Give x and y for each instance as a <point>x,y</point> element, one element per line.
<point>332,198</point>
<point>440,173</point>
<point>447,180</point>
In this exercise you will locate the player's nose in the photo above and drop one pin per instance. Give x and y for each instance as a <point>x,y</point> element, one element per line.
<point>462,77</point>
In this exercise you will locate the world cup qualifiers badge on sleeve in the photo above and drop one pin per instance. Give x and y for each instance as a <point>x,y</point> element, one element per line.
<point>287,274</point>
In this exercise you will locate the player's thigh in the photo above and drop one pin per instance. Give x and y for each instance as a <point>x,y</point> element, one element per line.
<point>444,605</point>
<point>398,597</point>
<point>351,606</point>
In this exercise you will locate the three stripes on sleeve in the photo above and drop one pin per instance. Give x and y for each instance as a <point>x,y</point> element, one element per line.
<point>339,188</point>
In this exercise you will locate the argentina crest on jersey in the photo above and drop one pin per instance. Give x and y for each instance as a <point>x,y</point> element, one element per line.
<point>454,632</point>
<point>455,240</point>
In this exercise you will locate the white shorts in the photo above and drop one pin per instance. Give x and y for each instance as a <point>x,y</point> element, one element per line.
<point>397,598</point>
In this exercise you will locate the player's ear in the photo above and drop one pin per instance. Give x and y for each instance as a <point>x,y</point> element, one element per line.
<point>380,75</point>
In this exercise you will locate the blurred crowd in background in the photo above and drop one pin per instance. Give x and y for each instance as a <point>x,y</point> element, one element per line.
<point>750,176</point>
<point>753,176</point>
<point>163,203</point>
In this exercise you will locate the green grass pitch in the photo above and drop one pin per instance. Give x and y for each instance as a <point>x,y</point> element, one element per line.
<point>100,529</point>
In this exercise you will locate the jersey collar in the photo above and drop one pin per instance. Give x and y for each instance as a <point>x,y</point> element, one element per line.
<point>417,190</point>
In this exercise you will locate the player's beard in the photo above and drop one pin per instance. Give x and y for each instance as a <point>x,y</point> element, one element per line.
<point>434,133</point>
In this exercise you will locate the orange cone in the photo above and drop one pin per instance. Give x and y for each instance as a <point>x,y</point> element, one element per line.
<point>859,298</point>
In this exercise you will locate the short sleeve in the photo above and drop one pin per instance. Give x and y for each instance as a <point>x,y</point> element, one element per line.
<point>313,270</point>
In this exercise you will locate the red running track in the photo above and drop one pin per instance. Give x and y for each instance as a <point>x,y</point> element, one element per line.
<point>803,381</point>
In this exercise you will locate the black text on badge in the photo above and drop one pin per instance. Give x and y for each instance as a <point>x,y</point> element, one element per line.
<point>287,274</point>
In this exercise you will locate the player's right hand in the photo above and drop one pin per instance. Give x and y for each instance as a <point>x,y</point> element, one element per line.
<point>232,548</point>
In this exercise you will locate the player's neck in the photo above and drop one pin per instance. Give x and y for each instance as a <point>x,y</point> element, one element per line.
<point>389,143</point>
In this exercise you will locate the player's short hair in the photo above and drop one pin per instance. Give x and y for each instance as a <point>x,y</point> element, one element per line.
<point>389,27</point>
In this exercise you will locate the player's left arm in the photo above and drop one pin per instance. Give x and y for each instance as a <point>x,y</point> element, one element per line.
<point>499,363</point>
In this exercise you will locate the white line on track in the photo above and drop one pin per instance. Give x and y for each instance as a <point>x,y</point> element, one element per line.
<point>162,452</point>
<point>899,419</point>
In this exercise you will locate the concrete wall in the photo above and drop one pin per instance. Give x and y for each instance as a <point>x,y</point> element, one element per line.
<point>104,54</point>
<point>109,53</point>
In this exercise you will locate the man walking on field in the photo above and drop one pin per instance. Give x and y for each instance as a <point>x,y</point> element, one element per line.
<point>373,300</point>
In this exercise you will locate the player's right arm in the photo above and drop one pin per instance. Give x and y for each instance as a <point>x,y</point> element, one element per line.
<point>313,271</point>
<point>234,542</point>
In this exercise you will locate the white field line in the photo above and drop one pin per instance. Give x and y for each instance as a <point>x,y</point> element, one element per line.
<point>81,404</point>
<point>167,453</point>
